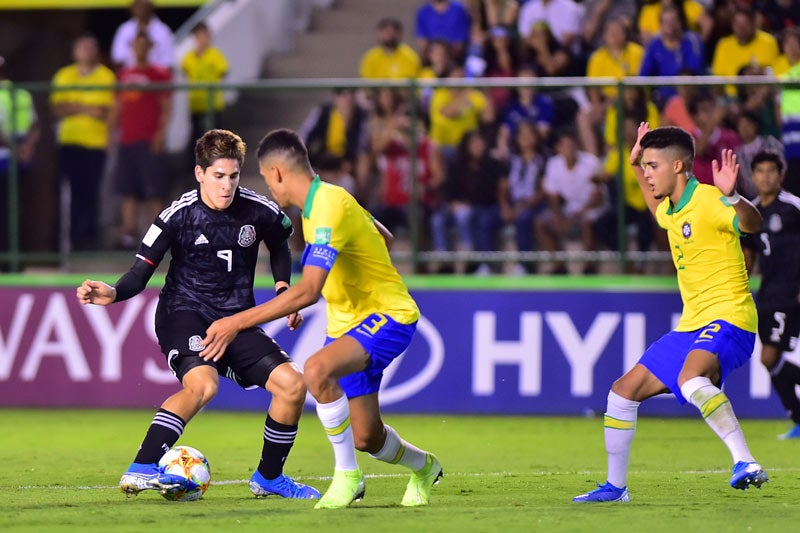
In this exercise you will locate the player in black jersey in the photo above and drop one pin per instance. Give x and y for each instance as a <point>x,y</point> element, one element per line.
<point>213,233</point>
<point>777,249</point>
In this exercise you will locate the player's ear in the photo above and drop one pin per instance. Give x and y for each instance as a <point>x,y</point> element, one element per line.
<point>678,166</point>
<point>198,173</point>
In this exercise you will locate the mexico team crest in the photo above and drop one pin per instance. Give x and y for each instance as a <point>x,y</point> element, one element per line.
<point>687,230</point>
<point>247,236</point>
<point>196,343</point>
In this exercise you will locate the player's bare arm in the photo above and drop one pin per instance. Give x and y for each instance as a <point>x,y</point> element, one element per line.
<point>385,233</point>
<point>636,163</point>
<point>725,172</point>
<point>299,296</point>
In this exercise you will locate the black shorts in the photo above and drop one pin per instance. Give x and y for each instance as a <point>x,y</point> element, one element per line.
<point>779,327</point>
<point>140,172</point>
<point>248,360</point>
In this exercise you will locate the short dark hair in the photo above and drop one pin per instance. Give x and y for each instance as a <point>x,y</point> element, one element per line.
<point>671,137</point>
<point>767,156</point>
<point>219,144</point>
<point>200,26</point>
<point>286,143</point>
<point>752,116</point>
<point>390,21</point>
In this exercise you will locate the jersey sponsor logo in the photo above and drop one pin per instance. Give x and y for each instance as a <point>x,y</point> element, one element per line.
<point>152,234</point>
<point>247,235</point>
<point>323,236</point>
<point>687,230</point>
<point>775,223</point>
<point>201,239</point>
<point>196,343</point>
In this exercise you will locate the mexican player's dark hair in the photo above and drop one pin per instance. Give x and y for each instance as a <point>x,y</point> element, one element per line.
<point>767,156</point>
<point>287,144</point>
<point>219,144</point>
<point>671,138</point>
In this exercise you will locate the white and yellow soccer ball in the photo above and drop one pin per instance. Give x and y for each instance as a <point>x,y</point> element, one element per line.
<point>190,464</point>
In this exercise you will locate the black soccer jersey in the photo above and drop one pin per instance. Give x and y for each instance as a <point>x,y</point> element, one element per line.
<point>214,253</point>
<point>779,247</point>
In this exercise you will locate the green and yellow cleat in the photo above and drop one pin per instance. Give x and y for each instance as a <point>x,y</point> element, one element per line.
<point>418,490</point>
<point>346,487</point>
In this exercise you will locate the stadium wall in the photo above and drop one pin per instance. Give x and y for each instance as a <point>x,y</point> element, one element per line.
<point>517,350</point>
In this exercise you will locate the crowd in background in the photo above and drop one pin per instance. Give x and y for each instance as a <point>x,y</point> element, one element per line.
<point>525,168</point>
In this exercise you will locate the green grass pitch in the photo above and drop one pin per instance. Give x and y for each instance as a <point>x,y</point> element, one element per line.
<point>60,468</point>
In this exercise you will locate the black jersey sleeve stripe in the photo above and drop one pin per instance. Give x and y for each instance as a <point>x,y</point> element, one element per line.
<point>187,199</point>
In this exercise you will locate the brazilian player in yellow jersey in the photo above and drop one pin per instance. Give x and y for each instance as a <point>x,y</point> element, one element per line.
<point>716,332</point>
<point>371,320</point>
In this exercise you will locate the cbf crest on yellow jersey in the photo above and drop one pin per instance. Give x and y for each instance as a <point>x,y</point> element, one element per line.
<point>703,231</point>
<point>341,237</point>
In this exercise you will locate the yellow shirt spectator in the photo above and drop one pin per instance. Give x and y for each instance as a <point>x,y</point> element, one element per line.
<point>448,130</point>
<point>730,56</point>
<point>82,129</point>
<point>653,118</point>
<point>210,66</point>
<point>603,64</point>
<point>651,13</point>
<point>401,63</point>
<point>633,193</point>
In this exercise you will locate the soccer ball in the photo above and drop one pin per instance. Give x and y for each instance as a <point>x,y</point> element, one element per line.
<point>188,463</point>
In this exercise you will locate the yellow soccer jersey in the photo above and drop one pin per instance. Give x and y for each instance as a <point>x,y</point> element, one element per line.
<point>703,233</point>
<point>82,129</point>
<point>341,237</point>
<point>208,67</point>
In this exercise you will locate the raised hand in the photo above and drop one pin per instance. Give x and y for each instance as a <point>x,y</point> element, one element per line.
<point>725,171</point>
<point>636,151</point>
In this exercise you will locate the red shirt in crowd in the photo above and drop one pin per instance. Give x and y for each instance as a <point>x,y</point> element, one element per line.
<point>140,111</point>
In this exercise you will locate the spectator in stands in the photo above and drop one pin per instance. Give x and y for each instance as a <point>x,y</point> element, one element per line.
<point>443,19</point>
<point>760,99</point>
<point>24,131</point>
<point>676,111</point>
<point>711,136</point>
<point>205,63</point>
<point>143,18</point>
<point>454,112</point>
<point>672,52</point>
<point>748,127</point>
<point>790,45</point>
<point>553,59</point>
<point>720,15</point>
<point>563,17</point>
<point>599,13</point>
<point>143,119</point>
<point>501,62</point>
<point>390,57</point>
<point>338,130</point>
<point>636,211</point>
<point>618,57</point>
<point>691,13</point>
<point>520,192</point>
<point>440,62</point>
<point>529,105</point>
<point>777,15</point>
<point>574,200</point>
<point>747,45</point>
<point>83,136</point>
<point>635,102</point>
<point>391,146</point>
<point>790,111</point>
<point>470,200</point>
<point>488,14</point>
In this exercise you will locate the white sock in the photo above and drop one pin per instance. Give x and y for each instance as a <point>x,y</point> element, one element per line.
<point>397,451</point>
<point>718,413</point>
<point>335,418</point>
<point>619,428</point>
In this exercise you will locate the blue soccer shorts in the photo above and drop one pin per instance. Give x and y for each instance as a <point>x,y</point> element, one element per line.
<point>383,339</point>
<point>665,358</point>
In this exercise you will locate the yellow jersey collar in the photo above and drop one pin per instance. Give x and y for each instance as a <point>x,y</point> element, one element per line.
<point>691,185</point>
<point>315,183</point>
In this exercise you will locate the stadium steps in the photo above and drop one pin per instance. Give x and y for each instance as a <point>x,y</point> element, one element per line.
<point>331,48</point>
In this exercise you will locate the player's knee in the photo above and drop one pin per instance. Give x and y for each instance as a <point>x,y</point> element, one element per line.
<point>293,391</point>
<point>202,392</point>
<point>315,374</point>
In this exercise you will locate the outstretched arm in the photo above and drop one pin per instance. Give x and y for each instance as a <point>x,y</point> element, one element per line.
<point>222,332</point>
<point>725,172</point>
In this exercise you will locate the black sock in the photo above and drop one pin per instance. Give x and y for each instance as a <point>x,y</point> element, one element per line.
<point>278,440</point>
<point>783,382</point>
<point>164,431</point>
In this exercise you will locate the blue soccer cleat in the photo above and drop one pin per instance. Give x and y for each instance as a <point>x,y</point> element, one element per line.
<point>604,493</point>
<point>746,474</point>
<point>148,476</point>
<point>282,486</point>
<point>793,433</point>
